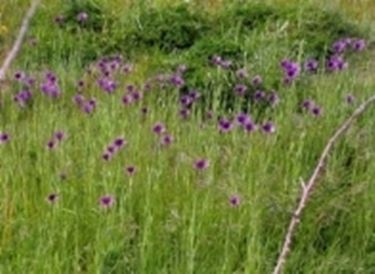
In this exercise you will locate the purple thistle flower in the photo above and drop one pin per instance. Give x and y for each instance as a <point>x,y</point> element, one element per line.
<point>79,99</point>
<point>336,63</point>
<point>243,118</point>
<point>184,113</point>
<point>209,115</point>
<point>52,198</point>
<point>259,95</point>
<point>249,126</point>
<point>59,135</point>
<point>19,75</point>
<point>201,164</point>
<point>216,60</point>
<point>273,98</point>
<point>82,17</point>
<point>234,200</point>
<point>136,95</point>
<point>268,127</point>
<point>159,128</point>
<point>106,201</point>
<point>166,140</point>
<point>51,144</point>
<point>130,170</point>
<point>311,65</point>
<point>241,74</point>
<point>119,143</point>
<point>339,46</point>
<point>291,70</point>
<point>226,64</point>
<point>88,108</point>
<point>240,89</point>
<point>177,81</point>
<point>359,45</point>
<point>127,99</point>
<point>106,156</point>
<point>308,104</point>
<point>194,95</point>
<point>225,125</point>
<point>257,80</point>
<point>316,111</point>
<point>186,101</point>
<point>127,68</point>
<point>350,99</point>
<point>4,138</point>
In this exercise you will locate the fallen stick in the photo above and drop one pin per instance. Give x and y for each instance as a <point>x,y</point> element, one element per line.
<point>308,188</point>
<point>17,44</point>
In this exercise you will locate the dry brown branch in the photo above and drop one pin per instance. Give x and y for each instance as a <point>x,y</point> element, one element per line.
<point>17,44</point>
<point>307,188</point>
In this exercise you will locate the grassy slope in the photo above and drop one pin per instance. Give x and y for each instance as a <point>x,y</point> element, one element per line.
<point>168,218</point>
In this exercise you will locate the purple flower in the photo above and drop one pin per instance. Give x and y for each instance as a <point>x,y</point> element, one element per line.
<point>359,45</point>
<point>225,125</point>
<point>201,164</point>
<point>311,65</point>
<point>243,118</point>
<point>240,89</point>
<point>166,140</point>
<point>159,128</point>
<point>23,97</point>
<point>127,99</point>
<point>52,198</point>
<point>273,98</point>
<point>216,60</point>
<point>259,95</point>
<point>19,75</point>
<point>209,115</point>
<point>268,127</point>
<point>4,138</point>
<point>234,200</point>
<point>316,111</point>
<point>308,104</point>
<point>106,156</point>
<point>82,17</point>
<point>177,81</point>
<point>241,74</point>
<point>194,95</point>
<point>130,170</point>
<point>59,135</point>
<point>226,64</point>
<point>257,80</point>
<point>350,99</point>
<point>106,201</point>
<point>184,113</point>
<point>249,126</point>
<point>339,46</point>
<point>51,144</point>
<point>336,63</point>
<point>127,68</point>
<point>79,99</point>
<point>119,143</point>
<point>186,101</point>
<point>291,70</point>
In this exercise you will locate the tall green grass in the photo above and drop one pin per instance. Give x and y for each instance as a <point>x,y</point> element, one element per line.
<point>169,218</point>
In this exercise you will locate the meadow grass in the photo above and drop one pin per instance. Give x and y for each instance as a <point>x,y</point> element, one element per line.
<point>170,217</point>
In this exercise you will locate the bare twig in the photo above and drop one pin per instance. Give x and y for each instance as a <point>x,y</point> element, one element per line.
<point>17,44</point>
<point>307,188</point>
